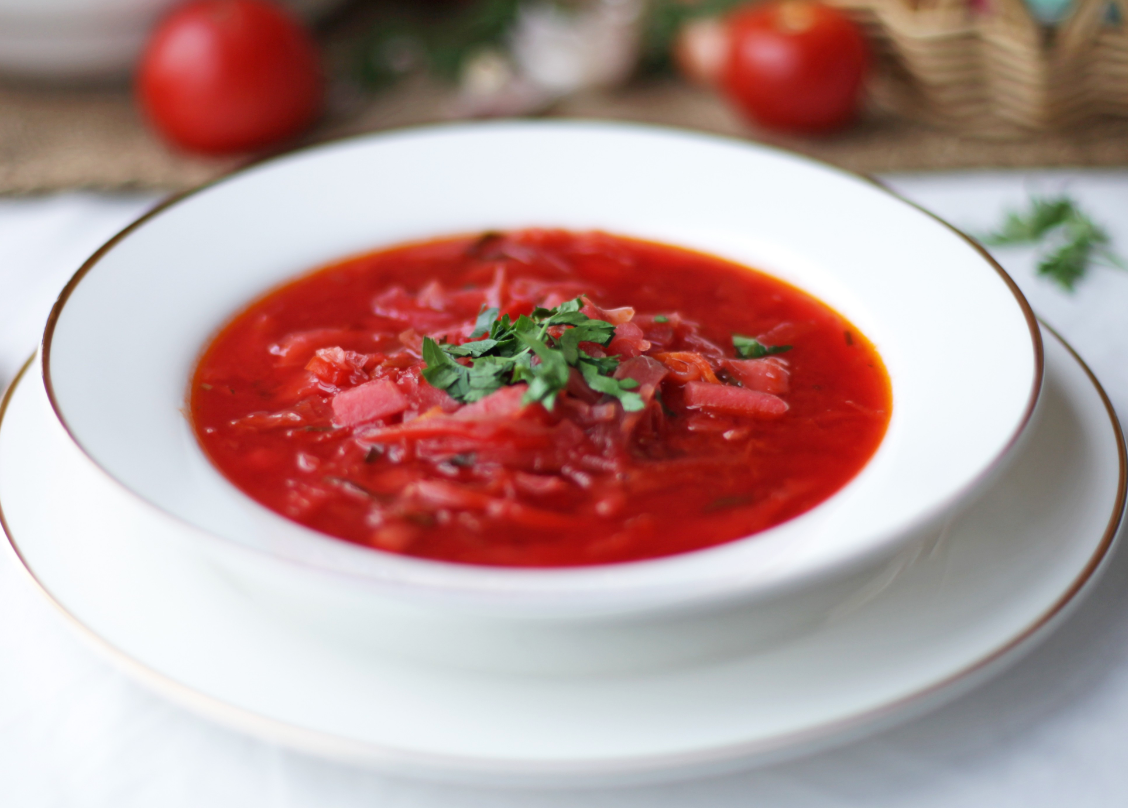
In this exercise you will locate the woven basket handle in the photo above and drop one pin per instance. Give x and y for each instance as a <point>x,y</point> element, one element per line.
<point>1082,25</point>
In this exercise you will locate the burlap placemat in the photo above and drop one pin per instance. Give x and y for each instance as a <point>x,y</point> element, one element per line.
<point>54,139</point>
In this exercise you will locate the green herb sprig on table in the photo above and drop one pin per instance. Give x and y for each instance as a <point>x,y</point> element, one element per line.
<point>1074,240</point>
<point>505,352</point>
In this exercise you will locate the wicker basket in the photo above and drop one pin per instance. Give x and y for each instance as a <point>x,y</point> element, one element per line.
<point>997,72</point>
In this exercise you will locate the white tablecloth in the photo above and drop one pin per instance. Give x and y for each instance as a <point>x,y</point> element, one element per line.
<point>1052,731</point>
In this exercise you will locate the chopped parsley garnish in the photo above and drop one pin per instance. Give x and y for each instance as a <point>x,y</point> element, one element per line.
<point>749,348</point>
<point>505,352</point>
<point>661,318</point>
<point>1072,241</point>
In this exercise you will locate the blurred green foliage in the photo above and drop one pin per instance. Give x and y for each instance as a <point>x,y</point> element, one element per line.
<point>434,38</point>
<point>437,37</point>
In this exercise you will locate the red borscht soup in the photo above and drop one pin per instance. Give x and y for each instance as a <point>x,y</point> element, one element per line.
<point>539,398</point>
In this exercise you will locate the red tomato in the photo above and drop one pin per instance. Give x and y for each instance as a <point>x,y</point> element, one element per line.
<point>794,65</point>
<point>230,76</point>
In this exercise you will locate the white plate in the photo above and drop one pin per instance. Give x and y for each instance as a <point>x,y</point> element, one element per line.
<point>1005,571</point>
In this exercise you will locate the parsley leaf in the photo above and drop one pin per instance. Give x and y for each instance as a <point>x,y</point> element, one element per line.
<point>547,378</point>
<point>485,376</point>
<point>1074,240</point>
<point>484,321</point>
<point>596,331</point>
<point>749,348</point>
<point>476,348</point>
<point>609,385</point>
<point>1043,216</point>
<point>441,371</point>
<point>503,353</point>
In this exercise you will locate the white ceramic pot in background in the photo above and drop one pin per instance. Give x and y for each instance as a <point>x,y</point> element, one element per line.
<point>90,40</point>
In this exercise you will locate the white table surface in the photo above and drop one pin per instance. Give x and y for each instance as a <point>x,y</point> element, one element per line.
<point>1052,731</point>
